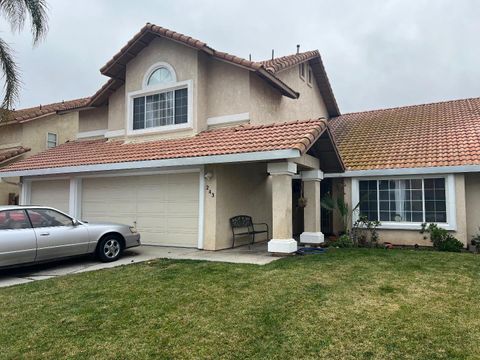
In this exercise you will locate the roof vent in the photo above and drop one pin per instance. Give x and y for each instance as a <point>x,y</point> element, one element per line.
<point>298,48</point>
<point>273,54</point>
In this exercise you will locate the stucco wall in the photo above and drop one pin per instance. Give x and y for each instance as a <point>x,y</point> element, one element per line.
<point>34,135</point>
<point>228,89</point>
<point>412,237</point>
<point>243,189</point>
<point>94,119</point>
<point>472,191</point>
<point>267,105</point>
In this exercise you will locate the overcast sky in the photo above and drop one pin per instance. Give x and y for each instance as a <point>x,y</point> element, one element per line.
<point>377,54</point>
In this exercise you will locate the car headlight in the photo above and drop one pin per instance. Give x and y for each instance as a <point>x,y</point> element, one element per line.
<point>133,230</point>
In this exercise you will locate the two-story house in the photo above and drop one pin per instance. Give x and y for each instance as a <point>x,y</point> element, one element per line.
<point>26,132</point>
<point>183,137</point>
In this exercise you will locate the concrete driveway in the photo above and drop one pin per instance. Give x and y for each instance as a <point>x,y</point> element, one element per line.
<point>256,254</point>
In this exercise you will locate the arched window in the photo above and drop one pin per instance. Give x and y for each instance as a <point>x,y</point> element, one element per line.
<point>162,75</point>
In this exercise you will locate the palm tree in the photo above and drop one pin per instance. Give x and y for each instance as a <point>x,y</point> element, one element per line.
<point>16,12</point>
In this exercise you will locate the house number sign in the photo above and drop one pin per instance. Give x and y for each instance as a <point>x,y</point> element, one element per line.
<point>209,191</point>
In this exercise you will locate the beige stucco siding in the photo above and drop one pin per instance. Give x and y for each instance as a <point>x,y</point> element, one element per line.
<point>472,192</point>
<point>412,237</point>
<point>228,89</point>
<point>94,119</point>
<point>267,105</point>
<point>243,189</point>
<point>33,134</point>
<point>116,110</point>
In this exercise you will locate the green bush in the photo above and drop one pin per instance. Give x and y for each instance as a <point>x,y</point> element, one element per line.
<point>441,239</point>
<point>343,241</point>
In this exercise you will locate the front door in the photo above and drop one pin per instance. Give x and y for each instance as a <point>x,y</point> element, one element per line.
<point>57,236</point>
<point>18,244</point>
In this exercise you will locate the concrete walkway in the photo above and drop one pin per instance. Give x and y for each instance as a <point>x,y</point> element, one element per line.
<point>256,254</point>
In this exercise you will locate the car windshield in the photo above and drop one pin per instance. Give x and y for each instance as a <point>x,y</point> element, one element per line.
<point>48,218</point>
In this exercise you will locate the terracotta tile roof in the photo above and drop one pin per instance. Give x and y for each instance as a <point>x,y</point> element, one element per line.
<point>8,154</point>
<point>28,114</point>
<point>430,135</point>
<point>298,135</point>
<point>115,67</point>
<point>285,62</point>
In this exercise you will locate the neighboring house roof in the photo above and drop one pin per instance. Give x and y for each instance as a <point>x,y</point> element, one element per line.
<point>29,114</point>
<point>429,135</point>
<point>11,153</point>
<point>115,68</point>
<point>297,135</point>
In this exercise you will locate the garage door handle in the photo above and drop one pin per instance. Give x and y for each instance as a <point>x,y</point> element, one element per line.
<point>44,234</point>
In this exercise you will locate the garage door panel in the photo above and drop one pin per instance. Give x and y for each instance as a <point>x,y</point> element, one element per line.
<point>165,207</point>
<point>53,193</point>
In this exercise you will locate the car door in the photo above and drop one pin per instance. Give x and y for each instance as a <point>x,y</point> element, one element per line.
<point>18,244</point>
<point>57,236</point>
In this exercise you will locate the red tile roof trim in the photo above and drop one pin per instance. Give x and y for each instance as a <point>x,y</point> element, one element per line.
<point>428,135</point>
<point>28,114</point>
<point>10,153</point>
<point>299,135</point>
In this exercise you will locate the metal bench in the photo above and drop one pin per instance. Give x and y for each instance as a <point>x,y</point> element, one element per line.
<point>243,225</point>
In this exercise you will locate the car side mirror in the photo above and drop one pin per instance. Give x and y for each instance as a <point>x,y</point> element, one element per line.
<point>75,222</point>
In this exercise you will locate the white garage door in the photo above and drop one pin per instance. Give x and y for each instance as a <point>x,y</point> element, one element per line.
<point>164,207</point>
<point>54,193</point>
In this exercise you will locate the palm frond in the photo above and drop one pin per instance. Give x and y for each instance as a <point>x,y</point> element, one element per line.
<point>39,18</point>
<point>11,88</point>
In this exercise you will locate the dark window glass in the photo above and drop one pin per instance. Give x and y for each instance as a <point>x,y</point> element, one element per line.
<point>435,201</point>
<point>48,218</point>
<point>13,220</point>
<point>181,106</point>
<point>368,199</point>
<point>139,113</point>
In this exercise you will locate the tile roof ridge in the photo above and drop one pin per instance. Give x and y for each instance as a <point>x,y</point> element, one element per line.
<point>409,106</point>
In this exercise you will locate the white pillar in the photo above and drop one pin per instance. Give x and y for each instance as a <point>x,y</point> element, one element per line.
<point>75,198</point>
<point>282,237</point>
<point>25,192</point>
<point>312,214</point>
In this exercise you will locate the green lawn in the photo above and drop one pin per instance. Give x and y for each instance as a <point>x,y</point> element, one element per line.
<point>346,304</point>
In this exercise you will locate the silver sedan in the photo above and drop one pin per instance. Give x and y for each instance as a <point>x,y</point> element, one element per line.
<point>30,234</point>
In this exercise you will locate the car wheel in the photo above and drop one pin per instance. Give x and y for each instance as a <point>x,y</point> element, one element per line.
<point>109,248</point>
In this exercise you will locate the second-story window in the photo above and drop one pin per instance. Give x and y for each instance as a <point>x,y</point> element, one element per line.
<point>164,108</point>
<point>163,103</point>
<point>51,140</point>
<point>310,75</point>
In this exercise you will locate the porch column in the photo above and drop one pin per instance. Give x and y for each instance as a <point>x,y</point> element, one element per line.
<point>282,236</point>
<point>312,218</point>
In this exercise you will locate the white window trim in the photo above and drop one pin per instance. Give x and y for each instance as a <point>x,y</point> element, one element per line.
<point>450,197</point>
<point>150,90</point>
<point>155,67</point>
<point>56,139</point>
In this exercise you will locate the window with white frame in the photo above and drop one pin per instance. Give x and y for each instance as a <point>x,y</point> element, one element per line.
<point>163,102</point>
<point>164,108</point>
<point>51,140</point>
<point>413,200</point>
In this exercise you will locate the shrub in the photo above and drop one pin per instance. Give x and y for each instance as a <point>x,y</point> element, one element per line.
<point>343,241</point>
<point>441,239</point>
<point>476,242</point>
<point>364,232</point>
